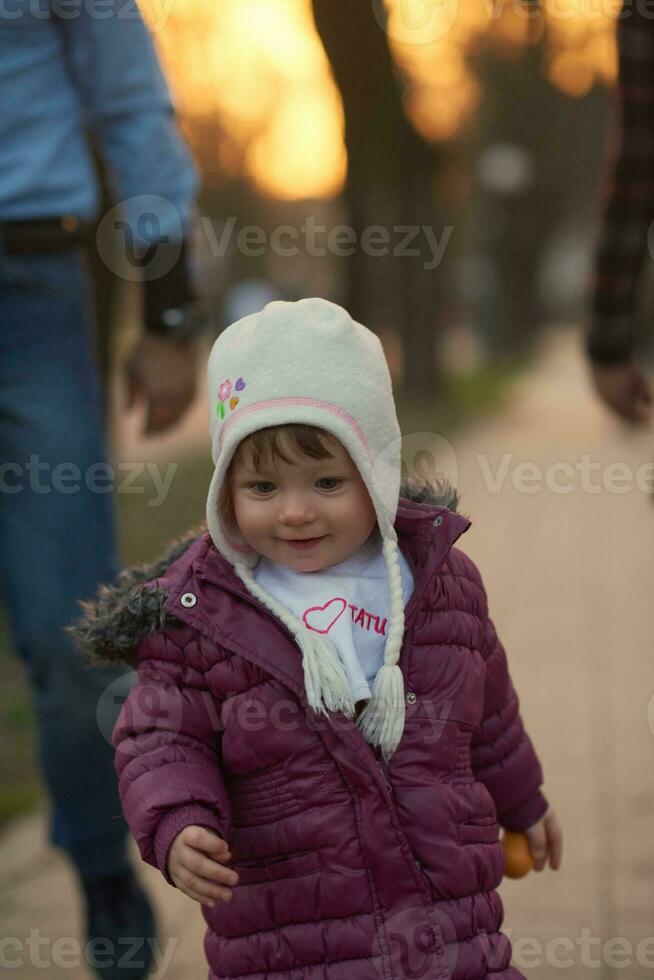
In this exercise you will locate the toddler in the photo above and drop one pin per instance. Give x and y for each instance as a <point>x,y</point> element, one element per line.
<point>324,739</point>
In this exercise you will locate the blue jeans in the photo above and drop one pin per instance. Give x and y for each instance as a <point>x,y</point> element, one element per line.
<point>57,542</point>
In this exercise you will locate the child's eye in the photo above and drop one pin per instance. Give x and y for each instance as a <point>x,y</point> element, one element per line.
<point>332,480</point>
<point>263,484</point>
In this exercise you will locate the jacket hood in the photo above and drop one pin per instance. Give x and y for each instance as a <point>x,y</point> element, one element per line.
<point>131,607</point>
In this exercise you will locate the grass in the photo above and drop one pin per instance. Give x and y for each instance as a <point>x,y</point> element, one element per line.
<point>462,398</point>
<point>20,786</point>
<point>144,531</point>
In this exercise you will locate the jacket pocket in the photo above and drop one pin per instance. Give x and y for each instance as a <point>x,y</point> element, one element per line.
<point>479,830</point>
<point>293,866</point>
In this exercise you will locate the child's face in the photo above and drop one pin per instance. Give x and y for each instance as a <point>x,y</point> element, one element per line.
<point>323,499</point>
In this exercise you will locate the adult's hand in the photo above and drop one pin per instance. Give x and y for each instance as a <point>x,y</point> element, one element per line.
<point>163,374</point>
<point>625,389</point>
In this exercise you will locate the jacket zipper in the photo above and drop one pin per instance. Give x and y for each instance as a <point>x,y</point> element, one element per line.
<point>383,771</point>
<point>383,777</point>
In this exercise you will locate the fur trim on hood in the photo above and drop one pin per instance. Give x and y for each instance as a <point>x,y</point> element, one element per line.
<point>125,611</point>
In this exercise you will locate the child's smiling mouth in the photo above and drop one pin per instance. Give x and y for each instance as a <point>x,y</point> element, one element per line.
<point>302,543</point>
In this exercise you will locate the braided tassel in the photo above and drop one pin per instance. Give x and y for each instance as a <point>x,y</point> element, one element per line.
<point>325,680</point>
<point>382,720</point>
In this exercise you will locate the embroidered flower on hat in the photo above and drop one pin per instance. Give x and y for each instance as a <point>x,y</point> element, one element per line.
<point>224,392</point>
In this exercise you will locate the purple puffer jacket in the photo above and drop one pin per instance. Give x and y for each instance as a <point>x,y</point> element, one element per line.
<point>350,869</point>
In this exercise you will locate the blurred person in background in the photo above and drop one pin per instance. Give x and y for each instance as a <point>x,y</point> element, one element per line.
<point>91,73</point>
<point>612,344</point>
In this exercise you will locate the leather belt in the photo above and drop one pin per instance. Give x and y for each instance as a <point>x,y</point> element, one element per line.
<point>43,235</point>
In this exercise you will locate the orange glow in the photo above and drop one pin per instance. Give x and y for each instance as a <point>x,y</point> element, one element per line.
<point>581,43</point>
<point>431,41</point>
<point>257,66</point>
<point>299,156</point>
<point>571,73</point>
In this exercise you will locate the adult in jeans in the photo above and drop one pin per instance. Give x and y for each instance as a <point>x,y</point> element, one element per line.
<point>623,250</point>
<point>94,70</point>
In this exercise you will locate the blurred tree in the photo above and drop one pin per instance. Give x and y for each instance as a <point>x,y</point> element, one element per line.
<point>390,179</point>
<point>538,159</point>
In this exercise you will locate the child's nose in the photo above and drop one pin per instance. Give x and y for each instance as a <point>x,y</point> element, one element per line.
<point>296,509</point>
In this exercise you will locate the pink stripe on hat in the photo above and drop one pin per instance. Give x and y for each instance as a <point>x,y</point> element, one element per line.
<point>309,402</point>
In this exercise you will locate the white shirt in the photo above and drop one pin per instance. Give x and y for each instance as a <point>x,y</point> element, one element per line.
<point>348,603</point>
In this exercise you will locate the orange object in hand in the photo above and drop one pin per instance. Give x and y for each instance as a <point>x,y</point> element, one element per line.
<point>517,856</point>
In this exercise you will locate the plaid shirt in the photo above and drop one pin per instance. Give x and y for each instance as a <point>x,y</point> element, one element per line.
<point>625,243</point>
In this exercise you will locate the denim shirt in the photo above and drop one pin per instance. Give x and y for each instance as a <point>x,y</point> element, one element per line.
<point>93,68</point>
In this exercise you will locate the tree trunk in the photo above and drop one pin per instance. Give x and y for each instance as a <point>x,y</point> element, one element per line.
<point>390,169</point>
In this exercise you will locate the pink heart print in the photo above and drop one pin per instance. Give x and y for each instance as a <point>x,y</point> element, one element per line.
<point>322,617</point>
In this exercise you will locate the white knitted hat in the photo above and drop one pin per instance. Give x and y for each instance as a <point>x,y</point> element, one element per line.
<point>310,362</point>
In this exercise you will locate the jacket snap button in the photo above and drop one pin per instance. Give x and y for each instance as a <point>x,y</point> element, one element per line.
<point>438,521</point>
<point>411,698</point>
<point>189,600</point>
<point>418,865</point>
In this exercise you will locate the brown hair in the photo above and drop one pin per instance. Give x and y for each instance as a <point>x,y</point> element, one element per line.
<point>269,443</point>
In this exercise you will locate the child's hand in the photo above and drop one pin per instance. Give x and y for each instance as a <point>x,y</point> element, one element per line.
<point>191,867</point>
<point>545,838</point>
